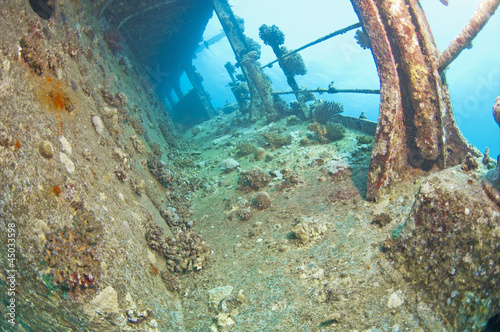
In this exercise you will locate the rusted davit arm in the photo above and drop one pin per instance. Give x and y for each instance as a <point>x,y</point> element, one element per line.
<point>414,101</point>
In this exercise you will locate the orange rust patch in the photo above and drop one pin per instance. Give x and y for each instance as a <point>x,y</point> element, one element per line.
<point>56,190</point>
<point>52,95</point>
<point>57,99</point>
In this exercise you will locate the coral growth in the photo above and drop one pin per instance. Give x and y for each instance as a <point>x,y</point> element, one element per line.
<point>160,171</point>
<point>331,132</point>
<point>244,214</point>
<point>470,163</point>
<point>46,149</point>
<point>336,165</point>
<point>253,179</point>
<point>335,131</point>
<point>187,252</point>
<point>262,200</point>
<point>71,252</point>
<point>275,140</point>
<point>271,35</point>
<point>319,130</point>
<point>381,219</point>
<point>71,45</point>
<point>308,229</point>
<point>487,160</point>
<point>137,125</point>
<point>118,100</point>
<point>230,68</point>
<point>362,39</point>
<point>323,111</point>
<point>174,221</point>
<point>121,174</point>
<point>280,109</point>
<point>363,139</point>
<point>228,165</point>
<point>450,246</point>
<point>296,109</point>
<point>245,148</point>
<point>241,93</point>
<point>293,64</point>
<point>292,120</point>
<point>290,178</point>
<point>253,48</point>
<point>260,154</point>
<point>138,144</point>
<point>33,52</point>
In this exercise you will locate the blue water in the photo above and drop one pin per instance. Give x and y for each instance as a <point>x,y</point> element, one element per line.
<point>474,78</point>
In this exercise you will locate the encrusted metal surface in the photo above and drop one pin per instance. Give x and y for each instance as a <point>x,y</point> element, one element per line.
<point>162,34</point>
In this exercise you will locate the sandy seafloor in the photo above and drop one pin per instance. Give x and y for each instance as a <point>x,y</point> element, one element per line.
<point>338,280</point>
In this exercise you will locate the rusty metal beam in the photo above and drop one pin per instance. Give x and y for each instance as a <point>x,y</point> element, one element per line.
<point>259,86</point>
<point>329,91</point>
<point>317,41</point>
<point>483,13</point>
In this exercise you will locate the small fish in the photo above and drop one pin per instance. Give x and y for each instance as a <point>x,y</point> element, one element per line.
<point>444,2</point>
<point>43,8</point>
